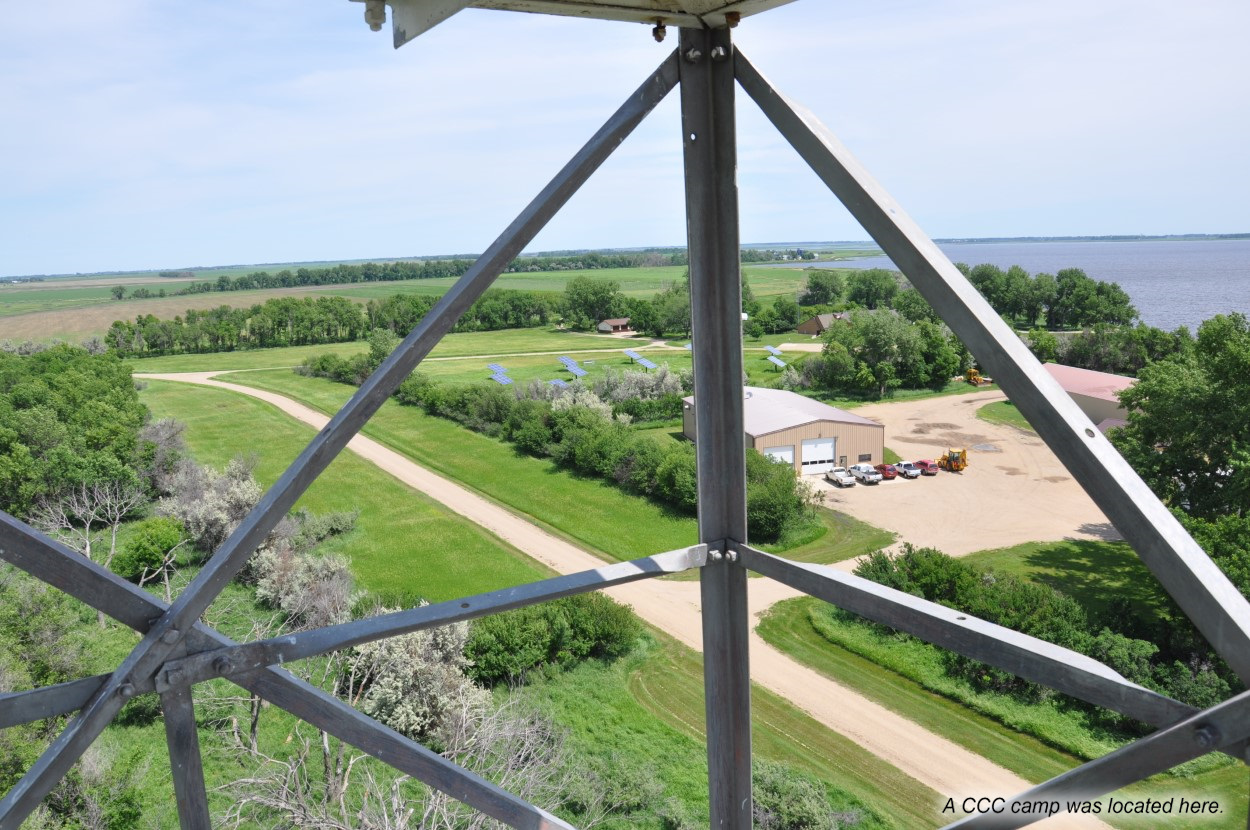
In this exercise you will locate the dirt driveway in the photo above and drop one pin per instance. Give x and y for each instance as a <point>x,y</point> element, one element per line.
<point>1014,490</point>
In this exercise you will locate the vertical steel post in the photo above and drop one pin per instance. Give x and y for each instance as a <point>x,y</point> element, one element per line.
<point>707,116</point>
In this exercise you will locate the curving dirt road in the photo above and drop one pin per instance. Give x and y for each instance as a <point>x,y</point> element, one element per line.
<point>673,607</point>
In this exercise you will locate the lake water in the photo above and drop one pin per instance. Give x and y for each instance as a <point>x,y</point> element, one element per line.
<point>1172,283</point>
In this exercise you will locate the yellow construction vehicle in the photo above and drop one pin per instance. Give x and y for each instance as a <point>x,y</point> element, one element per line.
<point>954,461</point>
<point>975,377</point>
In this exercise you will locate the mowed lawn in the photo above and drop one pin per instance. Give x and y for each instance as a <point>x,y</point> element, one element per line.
<point>650,705</point>
<point>586,511</point>
<point>487,344</point>
<point>788,628</point>
<point>1091,572</point>
<point>405,545</point>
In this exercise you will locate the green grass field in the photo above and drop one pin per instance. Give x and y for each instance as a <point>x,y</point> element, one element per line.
<point>788,626</point>
<point>487,344</point>
<point>648,707</point>
<point>586,511</point>
<point>1004,412</point>
<point>405,545</point>
<point>79,307</point>
<point>1093,573</point>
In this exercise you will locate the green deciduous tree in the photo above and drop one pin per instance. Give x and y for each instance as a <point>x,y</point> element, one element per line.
<point>588,301</point>
<point>1188,432</point>
<point>824,287</point>
<point>873,288</point>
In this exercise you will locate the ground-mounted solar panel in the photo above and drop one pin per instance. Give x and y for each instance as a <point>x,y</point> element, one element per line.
<point>689,346</point>
<point>567,361</point>
<point>559,384</point>
<point>633,355</point>
<point>646,364</point>
<point>578,372</point>
<point>776,361</point>
<point>773,350</point>
<point>496,368</point>
<point>501,379</point>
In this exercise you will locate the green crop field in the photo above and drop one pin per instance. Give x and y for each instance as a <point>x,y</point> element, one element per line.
<point>405,545</point>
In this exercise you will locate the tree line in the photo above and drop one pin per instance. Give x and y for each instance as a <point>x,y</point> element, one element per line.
<point>299,321</point>
<point>431,269</point>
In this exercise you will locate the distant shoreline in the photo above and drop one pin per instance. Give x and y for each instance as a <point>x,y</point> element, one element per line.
<point>860,244</point>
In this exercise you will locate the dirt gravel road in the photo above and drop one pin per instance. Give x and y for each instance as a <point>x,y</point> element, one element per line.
<point>673,607</point>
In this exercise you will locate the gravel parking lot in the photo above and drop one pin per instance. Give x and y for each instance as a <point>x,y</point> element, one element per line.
<point>1014,490</point>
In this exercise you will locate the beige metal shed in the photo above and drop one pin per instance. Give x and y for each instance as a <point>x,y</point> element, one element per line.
<point>791,428</point>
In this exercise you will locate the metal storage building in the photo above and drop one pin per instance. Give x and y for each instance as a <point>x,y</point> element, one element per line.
<point>811,435</point>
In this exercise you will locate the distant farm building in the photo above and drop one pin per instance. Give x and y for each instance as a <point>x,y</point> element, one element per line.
<point>615,325</point>
<point>1096,393</point>
<point>819,324</point>
<point>812,436</point>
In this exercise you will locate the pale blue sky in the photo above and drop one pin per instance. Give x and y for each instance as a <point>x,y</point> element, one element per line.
<point>141,134</point>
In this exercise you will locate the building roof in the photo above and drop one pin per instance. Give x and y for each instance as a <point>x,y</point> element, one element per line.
<point>766,411</point>
<point>616,321</point>
<point>1089,383</point>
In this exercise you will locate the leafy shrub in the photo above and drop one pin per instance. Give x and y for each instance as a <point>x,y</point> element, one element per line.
<point>558,634</point>
<point>784,798</point>
<point>152,541</point>
<point>1178,668</point>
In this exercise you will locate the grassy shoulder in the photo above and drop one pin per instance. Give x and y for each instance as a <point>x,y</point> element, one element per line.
<point>405,545</point>
<point>906,676</point>
<point>651,705</point>
<point>1004,412</point>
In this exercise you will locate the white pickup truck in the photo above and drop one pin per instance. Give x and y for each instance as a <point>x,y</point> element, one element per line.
<point>839,477</point>
<point>865,474</point>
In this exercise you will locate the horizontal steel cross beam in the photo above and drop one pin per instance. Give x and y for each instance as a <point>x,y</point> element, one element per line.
<point>288,648</point>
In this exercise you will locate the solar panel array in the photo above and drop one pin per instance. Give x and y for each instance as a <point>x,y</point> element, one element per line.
<point>501,379</point>
<point>689,346</point>
<point>646,364</point>
<point>776,361</point>
<point>578,372</point>
<point>632,355</point>
<point>568,361</point>
<point>559,384</point>
<point>496,368</point>
<point>773,350</point>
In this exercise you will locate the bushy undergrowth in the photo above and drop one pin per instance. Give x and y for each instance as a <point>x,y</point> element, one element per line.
<point>577,433</point>
<point>1041,611</point>
<point>552,635</point>
<point>588,431</point>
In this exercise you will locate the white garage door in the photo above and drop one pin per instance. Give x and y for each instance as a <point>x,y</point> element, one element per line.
<point>818,455</point>
<point>785,454</point>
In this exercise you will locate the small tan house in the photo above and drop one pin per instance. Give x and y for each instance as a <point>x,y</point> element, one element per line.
<point>819,324</point>
<point>812,436</point>
<point>1096,393</point>
<point>615,326</point>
